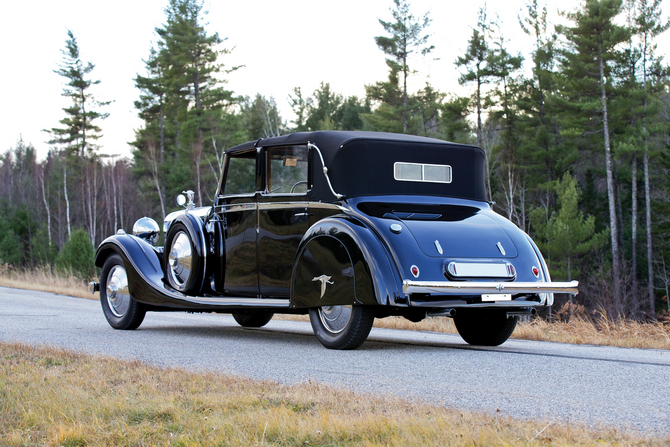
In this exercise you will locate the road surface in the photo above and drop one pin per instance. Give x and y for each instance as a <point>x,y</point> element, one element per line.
<point>626,388</point>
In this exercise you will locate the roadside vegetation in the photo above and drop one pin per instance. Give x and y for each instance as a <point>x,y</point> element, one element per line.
<point>60,398</point>
<point>580,328</point>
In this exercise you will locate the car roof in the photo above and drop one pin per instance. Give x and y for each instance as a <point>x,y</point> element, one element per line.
<point>331,140</point>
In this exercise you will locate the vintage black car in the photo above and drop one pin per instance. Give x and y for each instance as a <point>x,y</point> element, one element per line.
<point>344,226</point>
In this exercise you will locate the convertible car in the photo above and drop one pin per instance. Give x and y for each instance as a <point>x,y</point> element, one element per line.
<point>344,226</point>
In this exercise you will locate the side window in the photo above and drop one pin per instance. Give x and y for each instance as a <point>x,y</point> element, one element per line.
<point>287,170</point>
<point>241,174</point>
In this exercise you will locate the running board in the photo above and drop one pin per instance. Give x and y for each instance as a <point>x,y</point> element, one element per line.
<point>275,303</point>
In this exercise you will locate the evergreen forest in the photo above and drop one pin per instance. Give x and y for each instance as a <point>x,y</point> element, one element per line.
<point>576,135</point>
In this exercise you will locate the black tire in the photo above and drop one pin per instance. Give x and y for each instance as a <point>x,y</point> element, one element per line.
<point>342,327</point>
<point>484,327</point>
<point>120,309</point>
<point>258,318</point>
<point>186,274</point>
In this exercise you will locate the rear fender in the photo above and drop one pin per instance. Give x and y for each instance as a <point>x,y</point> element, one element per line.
<point>341,261</point>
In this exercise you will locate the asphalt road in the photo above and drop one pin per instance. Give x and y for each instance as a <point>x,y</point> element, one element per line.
<point>626,388</point>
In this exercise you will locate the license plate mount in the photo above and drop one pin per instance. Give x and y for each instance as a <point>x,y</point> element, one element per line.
<point>492,297</point>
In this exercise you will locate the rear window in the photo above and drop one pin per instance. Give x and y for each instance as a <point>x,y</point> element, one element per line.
<point>418,172</point>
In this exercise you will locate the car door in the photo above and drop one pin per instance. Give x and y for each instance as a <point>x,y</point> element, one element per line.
<point>283,216</point>
<point>239,211</point>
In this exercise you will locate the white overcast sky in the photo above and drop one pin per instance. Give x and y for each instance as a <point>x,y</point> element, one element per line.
<point>282,44</point>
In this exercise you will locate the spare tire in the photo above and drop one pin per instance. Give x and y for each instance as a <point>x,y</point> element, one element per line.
<point>184,266</point>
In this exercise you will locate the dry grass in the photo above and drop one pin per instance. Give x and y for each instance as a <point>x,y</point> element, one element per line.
<point>44,279</point>
<point>581,329</point>
<point>59,398</point>
<point>622,333</point>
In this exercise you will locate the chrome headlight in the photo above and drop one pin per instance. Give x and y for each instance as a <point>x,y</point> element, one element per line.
<point>146,228</point>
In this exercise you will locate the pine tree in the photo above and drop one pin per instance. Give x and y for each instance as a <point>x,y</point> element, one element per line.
<point>648,26</point>
<point>476,61</point>
<point>79,131</point>
<point>79,128</point>
<point>587,70</point>
<point>322,109</point>
<point>183,103</point>
<point>537,122</point>
<point>568,234</point>
<point>151,106</point>
<point>388,97</point>
<point>406,37</point>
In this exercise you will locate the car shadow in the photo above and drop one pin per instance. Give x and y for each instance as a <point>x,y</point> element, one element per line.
<point>302,336</point>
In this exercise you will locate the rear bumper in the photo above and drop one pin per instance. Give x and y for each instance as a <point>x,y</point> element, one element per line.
<point>476,288</point>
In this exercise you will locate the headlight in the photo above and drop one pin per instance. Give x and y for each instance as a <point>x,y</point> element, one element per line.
<point>146,228</point>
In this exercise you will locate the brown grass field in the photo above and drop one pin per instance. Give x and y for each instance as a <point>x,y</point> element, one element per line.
<point>55,397</point>
<point>581,329</point>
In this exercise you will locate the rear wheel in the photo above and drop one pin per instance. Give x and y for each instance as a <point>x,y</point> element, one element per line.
<point>484,327</point>
<point>257,318</point>
<point>341,327</point>
<point>120,309</point>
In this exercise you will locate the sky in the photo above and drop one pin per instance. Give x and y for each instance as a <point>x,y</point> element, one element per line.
<point>280,44</point>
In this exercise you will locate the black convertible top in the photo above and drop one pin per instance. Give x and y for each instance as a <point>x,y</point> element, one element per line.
<point>362,163</point>
<point>331,140</point>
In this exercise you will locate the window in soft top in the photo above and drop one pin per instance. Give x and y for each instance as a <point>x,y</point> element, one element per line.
<point>287,170</point>
<point>421,172</point>
<point>241,174</point>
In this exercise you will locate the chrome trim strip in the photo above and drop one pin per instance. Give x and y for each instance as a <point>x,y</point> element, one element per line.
<point>248,302</point>
<point>279,205</point>
<point>239,206</point>
<point>326,206</point>
<point>325,169</point>
<point>282,205</point>
<point>460,304</point>
<point>471,287</point>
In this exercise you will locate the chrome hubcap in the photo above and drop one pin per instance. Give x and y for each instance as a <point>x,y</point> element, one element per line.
<point>180,259</point>
<point>335,318</point>
<point>118,296</point>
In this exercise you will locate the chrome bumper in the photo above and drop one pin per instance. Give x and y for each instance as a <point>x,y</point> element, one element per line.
<point>476,288</point>
<point>93,287</point>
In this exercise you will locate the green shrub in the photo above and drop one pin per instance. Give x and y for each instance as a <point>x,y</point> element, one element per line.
<point>77,255</point>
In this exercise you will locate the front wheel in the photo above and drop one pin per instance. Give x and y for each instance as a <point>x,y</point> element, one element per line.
<point>484,327</point>
<point>341,327</point>
<point>120,309</point>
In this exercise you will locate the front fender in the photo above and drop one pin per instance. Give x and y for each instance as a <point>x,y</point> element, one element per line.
<point>145,274</point>
<point>341,261</point>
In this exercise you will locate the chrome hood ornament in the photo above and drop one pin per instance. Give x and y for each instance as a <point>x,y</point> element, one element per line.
<point>324,280</point>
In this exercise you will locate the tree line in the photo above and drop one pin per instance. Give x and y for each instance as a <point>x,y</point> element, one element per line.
<point>577,138</point>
